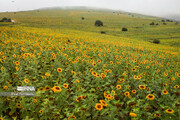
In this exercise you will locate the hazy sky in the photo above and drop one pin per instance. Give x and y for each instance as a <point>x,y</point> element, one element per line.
<point>151,7</point>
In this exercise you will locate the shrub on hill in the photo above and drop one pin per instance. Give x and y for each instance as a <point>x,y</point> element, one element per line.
<point>124,29</point>
<point>103,32</point>
<point>164,23</point>
<point>156,41</point>
<point>151,23</point>
<point>98,23</point>
<point>82,18</point>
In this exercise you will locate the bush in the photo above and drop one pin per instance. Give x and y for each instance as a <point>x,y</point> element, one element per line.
<point>124,29</point>
<point>8,20</point>
<point>4,19</point>
<point>164,23</point>
<point>162,20</point>
<point>98,23</point>
<point>151,23</point>
<point>156,41</point>
<point>82,18</point>
<point>103,32</point>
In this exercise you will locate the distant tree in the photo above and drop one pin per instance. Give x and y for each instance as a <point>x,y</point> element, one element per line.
<point>162,20</point>
<point>98,23</point>
<point>151,23</point>
<point>157,24</point>
<point>124,29</point>
<point>164,23</point>
<point>156,41</point>
<point>82,18</point>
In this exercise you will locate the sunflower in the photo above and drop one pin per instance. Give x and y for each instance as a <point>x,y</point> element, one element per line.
<point>122,80</point>
<point>142,87</point>
<point>40,111</point>
<point>178,75</point>
<point>41,89</point>
<point>105,95</point>
<point>132,114</point>
<point>176,86</point>
<point>51,99</point>
<point>147,108</point>
<point>4,57</point>
<point>91,69</point>
<point>113,92</point>
<point>59,69</point>
<point>98,61</point>
<point>17,63</point>
<point>150,96</point>
<point>79,98</point>
<point>157,115</point>
<point>133,91</point>
<point>1,118</point>
<point>47,74</point>
<point>118,86</point>
<point>134,69</point>
<point>26,80</point>
<point>5,87</point>
<point>126,93</point>
<point>94,73</point>
<point>99,106</point>
<point>56,89</point>
<point>17,69</point>
<point>84,96</point>
<point>169,111</point>
<point>35,101</point>
<point>135,77</point>
<point>47,88</point>
<point>65,85</point>
<point>111,62</point>
<point>172,78</point>
<point>18,105</point>
<point>165,92</point>
<point>74,117</point>
<point>98,75</point>
<point>94,64</point>
<point>106,71</point>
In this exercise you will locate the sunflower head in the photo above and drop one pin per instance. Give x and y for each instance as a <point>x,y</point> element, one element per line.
<point>142,87</point>
<point>99,106</point>
<point>150,96</point>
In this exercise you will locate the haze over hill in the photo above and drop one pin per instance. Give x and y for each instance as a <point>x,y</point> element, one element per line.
<point>161,8</point>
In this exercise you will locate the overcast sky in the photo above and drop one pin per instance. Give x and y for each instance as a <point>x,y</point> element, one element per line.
<point>151,7</point>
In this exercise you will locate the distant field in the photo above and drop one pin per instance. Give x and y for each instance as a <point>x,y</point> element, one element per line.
<point>138,26</point>
<point>82,74</point>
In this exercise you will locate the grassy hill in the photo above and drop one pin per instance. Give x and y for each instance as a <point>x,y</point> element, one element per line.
<point>80,73</point>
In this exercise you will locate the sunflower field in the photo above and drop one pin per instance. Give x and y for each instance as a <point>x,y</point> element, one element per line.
<point>86,76</point>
